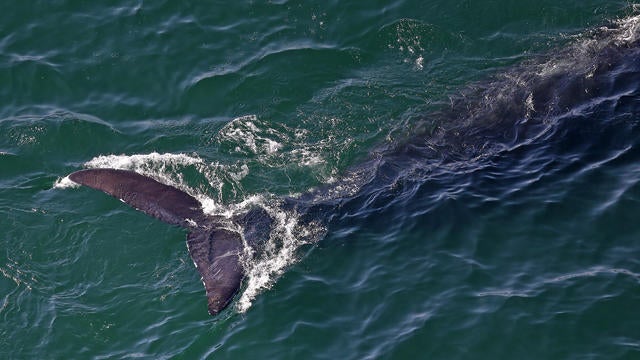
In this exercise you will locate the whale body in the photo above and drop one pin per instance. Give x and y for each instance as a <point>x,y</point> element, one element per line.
<point>505,112</point>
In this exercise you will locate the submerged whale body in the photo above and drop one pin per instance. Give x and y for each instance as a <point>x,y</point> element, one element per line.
<point>518,107</point>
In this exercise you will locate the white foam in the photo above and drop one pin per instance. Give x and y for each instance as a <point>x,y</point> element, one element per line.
<point>65,183</point>
<point>272,146</point>
<point>142,161</point>
<point>161,167</point>
<point>286,237</point>
<point>212,207</point>
<point>251,136</point>
<point>419,62</point>
<point>279,250</point>
<point>629,29</point>
<point>306,157</point>
<point>241,174</point>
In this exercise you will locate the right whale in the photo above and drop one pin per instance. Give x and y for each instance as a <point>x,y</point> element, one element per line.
<point>510,110</point>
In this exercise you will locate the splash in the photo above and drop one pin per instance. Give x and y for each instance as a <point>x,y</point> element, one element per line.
<point>248,135</point>
<point>272,145</point>
<point>628,29</point>
<point>64,183</point>
<point>280,252</point>
<point>262,267</point>
<point>168,169</point>
<point>158,166</point>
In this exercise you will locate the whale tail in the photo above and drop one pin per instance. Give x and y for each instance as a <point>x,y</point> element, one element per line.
<point>214,249</point>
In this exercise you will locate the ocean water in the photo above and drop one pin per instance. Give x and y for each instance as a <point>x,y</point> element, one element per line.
<point>471,171</point>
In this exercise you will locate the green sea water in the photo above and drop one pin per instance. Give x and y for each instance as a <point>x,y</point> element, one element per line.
<point>250,101</point>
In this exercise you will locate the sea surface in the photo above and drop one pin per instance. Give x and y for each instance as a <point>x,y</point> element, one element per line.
<point>464,219</point>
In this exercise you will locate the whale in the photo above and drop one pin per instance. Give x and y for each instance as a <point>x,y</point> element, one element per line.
<point>489,118</point>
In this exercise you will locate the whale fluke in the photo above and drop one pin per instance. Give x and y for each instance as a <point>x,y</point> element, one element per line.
<point>216,254</point>
<point>161,201</point>
<point>214,248</point>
